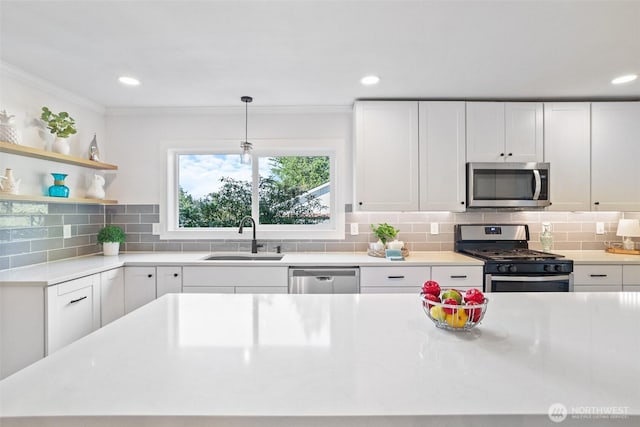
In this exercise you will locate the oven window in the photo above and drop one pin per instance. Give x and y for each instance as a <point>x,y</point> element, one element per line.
<point>529,286</point>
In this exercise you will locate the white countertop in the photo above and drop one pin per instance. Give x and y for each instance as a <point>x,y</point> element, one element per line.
<point>349,357</point>
<point>60,271</point>
<point>598,257</point>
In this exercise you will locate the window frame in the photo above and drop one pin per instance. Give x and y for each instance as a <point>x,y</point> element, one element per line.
<point>333,230</point>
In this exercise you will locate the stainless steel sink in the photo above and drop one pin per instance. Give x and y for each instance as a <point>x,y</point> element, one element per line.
<point>243,257</point>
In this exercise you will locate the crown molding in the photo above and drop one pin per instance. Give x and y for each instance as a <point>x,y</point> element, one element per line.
<point>208,111</point>
<point>10,71</point>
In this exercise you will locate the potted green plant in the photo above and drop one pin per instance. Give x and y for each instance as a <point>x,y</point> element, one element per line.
<point>111,236</point>
<point>62,126</point>
<point>384,232</point>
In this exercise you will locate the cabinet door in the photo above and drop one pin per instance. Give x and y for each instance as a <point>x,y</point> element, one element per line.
<point>458,277</point>
<point>615,145</point>
<point>386,155</point>
<point>73,311</point>
<point>169,280</point>
<point>139,287</point>
<point>442,156</point>
<point>567,147</point>
<point>597,278</point>
<point>397,277</point>
<point>485,132</point>
<point>111,295</point>
<point>523,131</point>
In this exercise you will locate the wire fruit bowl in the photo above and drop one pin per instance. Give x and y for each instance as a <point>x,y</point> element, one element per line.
<point>453,317</point>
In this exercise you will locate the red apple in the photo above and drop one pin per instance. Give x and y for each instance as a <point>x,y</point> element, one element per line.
<point>452,302</point>
<point>474,295</point>
<point>473,314</point>
<point>431,287</point>
<point>430,297</point>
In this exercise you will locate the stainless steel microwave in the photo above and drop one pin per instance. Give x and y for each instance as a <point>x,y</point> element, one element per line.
<point>507,185</point>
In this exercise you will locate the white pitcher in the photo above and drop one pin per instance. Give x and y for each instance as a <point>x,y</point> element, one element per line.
<point>96,189</point>
<point>8,184</point>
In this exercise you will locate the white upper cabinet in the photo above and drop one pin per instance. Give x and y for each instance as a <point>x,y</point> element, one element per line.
<point>615,145</point>
<point>504,132</point>
<point>442,156</point>
<point>386,155</point>
<point>567,148</point>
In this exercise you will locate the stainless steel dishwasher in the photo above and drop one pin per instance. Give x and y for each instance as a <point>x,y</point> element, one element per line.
<point>324,280</point>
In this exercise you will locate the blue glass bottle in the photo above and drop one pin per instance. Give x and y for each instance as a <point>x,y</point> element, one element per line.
<point>58,189</point>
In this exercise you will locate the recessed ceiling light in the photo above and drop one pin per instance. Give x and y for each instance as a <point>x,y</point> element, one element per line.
<point>129,81</point>
<point>624,79</point>
<point>370,80</point>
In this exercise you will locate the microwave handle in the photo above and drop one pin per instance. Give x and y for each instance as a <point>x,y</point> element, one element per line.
<point>538,184</point>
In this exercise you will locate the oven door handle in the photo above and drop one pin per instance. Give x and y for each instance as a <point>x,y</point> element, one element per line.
<point>528,278</point>
<point>537,185</point>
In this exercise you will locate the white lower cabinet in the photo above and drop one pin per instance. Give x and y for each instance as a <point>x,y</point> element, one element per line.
<point>597,278</point>
<point>111,295</point>
<point>168,280</point>
<point>139,287</point>
<point>458,277</point>
<point>73,311</point>
<point>238,280</point>
<point>400,279</point>
<point>631,278</point>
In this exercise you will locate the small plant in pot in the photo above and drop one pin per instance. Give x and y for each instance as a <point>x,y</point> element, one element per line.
<point>111,237</point>
<point>384,232</point>
<point>62,126</point>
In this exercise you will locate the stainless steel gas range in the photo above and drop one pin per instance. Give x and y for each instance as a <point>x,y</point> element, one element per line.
<point>509,264</point>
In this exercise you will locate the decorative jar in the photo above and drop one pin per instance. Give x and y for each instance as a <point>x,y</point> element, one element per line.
<point>58,189</point>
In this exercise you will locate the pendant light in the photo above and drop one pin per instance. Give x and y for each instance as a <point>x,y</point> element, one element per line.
<point>245,157</point>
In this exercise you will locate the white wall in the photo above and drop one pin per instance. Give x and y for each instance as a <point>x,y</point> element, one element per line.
<point>24,96</point>
<point>137,137</point>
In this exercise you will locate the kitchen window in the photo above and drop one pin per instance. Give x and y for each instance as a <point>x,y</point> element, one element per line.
<point>291,193</point>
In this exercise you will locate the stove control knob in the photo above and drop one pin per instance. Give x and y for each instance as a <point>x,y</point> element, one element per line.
<point>503,268</point>
<point>512,269</point>
<point>560,268</point>
<point>549,268</point>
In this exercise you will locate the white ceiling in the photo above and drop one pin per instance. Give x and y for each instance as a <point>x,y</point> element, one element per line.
<point>209,53</point>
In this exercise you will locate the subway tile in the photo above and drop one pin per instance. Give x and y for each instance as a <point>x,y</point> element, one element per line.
<point>164,246</point>
<point>46,244</point>
<point>590,246</point>
<point>53,220</point>
<point>89,249</point>
<point>15,221</point>
<point>97,219</point>
<point>147,209</point>
<point>567,226</point>
<point>468,218</point>
<point>566,246</point>
<point>379,218</point>
<point>224,246</point>
<point>74,230</point>
<point>149,218</point>
<point>5,235</point>
<point>5,208</point>
<point>411,217</point>
<point>57,254</point>
<point>311,247</point>
<point>134,238</point>
<point>138,247</point>
<point>196,247</point>
<point>156,209</point>
<point>115,209</point>
<point>125,219</point>
<point>440,217</point>
<point>554,216</point>
<point>149,238</point>
<point>340,247</point>
<point>284,246</point>
<point>139,228</point>
<point>89,229</point>
<point>28,233</point>
<point>90,209</point>
<point>29,208</point>
<point>55,231</point>
<point>13,248</point>
<point>5,262</point>
<point>414,237</point>
<point>76,219</point>
<point>420,228</point>
<point>76,241</point>
<point>418,247</point>
<point>62,208</point>
<point>28,259</point>
<point>361,247</point>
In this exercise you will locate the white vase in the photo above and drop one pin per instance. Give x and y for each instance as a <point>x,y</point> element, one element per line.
<point>61,146</point>
<point>110,248</point>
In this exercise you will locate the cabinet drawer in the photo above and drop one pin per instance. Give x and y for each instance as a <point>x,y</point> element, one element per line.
<point>457,277</point>
<point>208,289</point>
<point>631,275</point>
<point>597,275</point>
<point>390,290</point>
<point>234,276</point>
<point>394,276</point>
<point>168,280</point>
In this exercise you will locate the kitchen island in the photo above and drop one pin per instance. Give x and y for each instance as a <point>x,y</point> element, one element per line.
<point>344,360</point>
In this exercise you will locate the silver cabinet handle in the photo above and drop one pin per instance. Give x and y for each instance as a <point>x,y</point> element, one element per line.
<point>73,301</point>
<point>538,184</point>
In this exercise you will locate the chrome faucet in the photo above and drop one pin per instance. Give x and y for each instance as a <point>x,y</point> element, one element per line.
<point>254,242</point>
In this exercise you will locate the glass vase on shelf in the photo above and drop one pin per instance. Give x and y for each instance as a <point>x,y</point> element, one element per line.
<point>58,189</point>
<point>546,238</point>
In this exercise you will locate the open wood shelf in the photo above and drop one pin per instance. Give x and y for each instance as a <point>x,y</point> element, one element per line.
<point>47,199</point>
<point>48,155</point>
